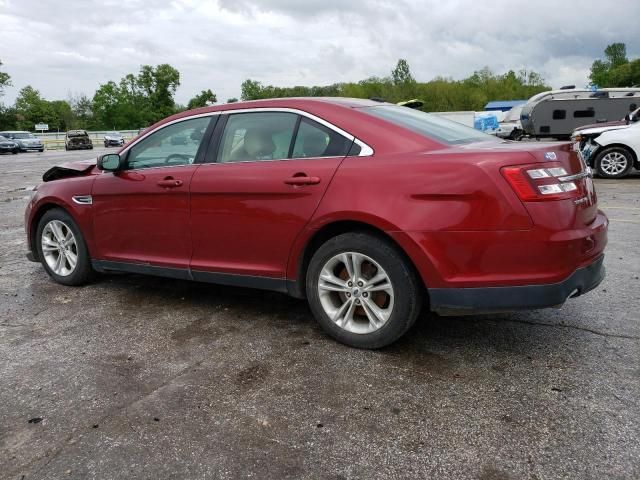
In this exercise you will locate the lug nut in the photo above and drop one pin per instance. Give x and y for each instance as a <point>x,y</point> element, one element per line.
<point>348,294</point>
<point>360,284</point>
<point>365,294</point>
<point>357,302</point>
<point>350,284</point>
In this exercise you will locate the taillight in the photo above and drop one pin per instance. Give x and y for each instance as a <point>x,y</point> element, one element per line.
<point>539,182</point>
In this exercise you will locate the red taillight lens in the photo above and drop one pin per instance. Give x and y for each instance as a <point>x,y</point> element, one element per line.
<point>539,182</point>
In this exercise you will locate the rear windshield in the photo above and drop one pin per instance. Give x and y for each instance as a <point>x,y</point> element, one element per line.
<point>79,133</point>
<point>430,126</point>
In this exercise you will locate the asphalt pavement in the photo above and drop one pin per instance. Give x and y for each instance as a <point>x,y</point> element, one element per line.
<point>141,377</point>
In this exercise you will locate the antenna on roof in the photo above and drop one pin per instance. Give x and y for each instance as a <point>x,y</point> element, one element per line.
<point>568,87</point>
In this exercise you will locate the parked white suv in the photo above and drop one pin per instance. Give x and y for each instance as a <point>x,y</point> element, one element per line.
<point>613,151</point>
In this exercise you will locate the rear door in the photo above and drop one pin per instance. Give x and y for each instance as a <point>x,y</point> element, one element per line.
<point>267,178</point>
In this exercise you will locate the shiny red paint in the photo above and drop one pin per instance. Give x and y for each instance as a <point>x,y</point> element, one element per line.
<point>448,208</point>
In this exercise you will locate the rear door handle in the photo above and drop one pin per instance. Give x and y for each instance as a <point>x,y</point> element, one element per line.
<point>169,182</point>
<point>297,181</point>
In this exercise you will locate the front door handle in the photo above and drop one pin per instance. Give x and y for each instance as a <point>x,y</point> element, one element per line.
<point>169,182</point>
<point>302,180</point>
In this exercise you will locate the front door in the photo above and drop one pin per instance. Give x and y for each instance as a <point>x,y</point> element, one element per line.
<point>141,214</point>
<point>269,175</point>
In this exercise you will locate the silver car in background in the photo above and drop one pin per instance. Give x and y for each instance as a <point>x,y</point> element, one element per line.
<point>113,139</point>
<point>26,140</point>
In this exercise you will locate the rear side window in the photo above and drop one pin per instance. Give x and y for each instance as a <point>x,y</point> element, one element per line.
<point>257,136</point>
<point>430,126</point>
<point>316,140</point>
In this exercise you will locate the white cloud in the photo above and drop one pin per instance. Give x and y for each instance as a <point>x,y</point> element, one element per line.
<point>76,45</point>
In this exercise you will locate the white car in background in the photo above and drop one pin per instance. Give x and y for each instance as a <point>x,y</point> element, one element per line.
<point>510,126</point>
<point>613,151</point>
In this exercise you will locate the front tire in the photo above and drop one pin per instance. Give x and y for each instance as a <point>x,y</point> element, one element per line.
<point>62,250</point>
<point>613,162</point>
<point>362,290</point>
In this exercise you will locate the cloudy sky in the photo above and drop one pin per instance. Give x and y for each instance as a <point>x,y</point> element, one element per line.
<point>71,46</point>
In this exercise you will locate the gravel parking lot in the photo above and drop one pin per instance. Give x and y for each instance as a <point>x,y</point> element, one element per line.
<point>141,377</point>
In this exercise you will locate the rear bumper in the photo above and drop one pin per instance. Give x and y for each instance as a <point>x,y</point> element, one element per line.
<point>464,301</point>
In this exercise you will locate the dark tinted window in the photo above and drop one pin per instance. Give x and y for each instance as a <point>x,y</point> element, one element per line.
<point>584,114</point>
<point>559,114</point>
<point>316,140</point>
<point>430,126</point>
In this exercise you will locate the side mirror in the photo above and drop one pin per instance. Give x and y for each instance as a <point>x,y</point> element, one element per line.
<point>110,162</point>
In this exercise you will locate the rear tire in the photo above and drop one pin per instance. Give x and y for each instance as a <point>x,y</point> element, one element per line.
<point>62,250</point>
<point>613,162</point>
<point>362,290</point>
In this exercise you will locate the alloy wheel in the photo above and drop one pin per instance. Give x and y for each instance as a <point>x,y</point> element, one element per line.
<point>613,163</point>
<point>356,292</point>
<point>59,248</point>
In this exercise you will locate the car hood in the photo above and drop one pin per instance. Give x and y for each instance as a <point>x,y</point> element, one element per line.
<point>594,130</point>
<point>70,169</point>
<point>615,123</point>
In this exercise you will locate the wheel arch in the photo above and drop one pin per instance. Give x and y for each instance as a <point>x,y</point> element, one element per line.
<point>634,154</point>
<point>37,215</point>
<point>297,287</point>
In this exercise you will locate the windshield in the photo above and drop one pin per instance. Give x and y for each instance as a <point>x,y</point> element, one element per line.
<point>3,139</point>
<point>430,126</point>
<point>23,135</point>
<point>113,134</point>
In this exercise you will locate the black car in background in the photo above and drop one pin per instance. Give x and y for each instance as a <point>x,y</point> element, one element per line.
<point>113,139</point>
<point>77,140</point>
<point>8,146</point>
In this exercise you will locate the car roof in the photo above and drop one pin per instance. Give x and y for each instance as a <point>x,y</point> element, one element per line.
<point>290,102</point>
<point>297,103</point>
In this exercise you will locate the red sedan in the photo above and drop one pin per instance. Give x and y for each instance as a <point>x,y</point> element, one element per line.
<point>369,210</point>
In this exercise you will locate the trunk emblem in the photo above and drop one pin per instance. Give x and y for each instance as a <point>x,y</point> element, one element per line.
<point>550,156</point>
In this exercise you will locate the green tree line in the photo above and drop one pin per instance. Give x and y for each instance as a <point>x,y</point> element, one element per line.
<point>142,98</point>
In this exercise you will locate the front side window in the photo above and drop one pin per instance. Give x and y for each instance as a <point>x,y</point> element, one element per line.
<point>316,140</point>
<point>257,136</point>
<point>176,144</point>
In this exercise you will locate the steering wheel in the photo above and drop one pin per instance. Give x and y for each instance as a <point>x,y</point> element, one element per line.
<point>179,159</point>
